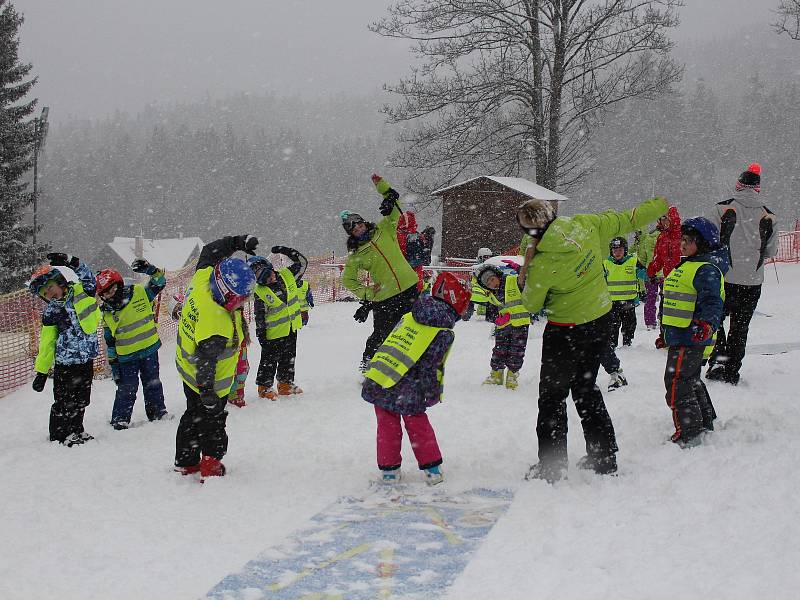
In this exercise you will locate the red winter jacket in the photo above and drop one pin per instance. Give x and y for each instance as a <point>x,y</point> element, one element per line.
<point>667,253</point>
<point>405,225</point>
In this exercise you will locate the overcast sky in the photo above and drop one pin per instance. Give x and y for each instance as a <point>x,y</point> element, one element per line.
<point>94,56</point>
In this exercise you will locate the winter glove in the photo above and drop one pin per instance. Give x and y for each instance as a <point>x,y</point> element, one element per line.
<point>279,249</point>
<point>388,204</point>
<point>502,319</point>
<point>362,314</point>
<point>247,244</point>
<point>213,405</point>
<point>429,232</point>
<point>701,331</point>
<point>59,259</point>
<point>141,265</point>
<point>660,343</point>
<point>39,381</point>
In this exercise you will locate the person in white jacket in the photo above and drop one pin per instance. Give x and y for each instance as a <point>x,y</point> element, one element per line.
<point>749,230</point>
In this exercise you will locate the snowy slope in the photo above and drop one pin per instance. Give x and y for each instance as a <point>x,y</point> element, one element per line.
<point>111,520</point>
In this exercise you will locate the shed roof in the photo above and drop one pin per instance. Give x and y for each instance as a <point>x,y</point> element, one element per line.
<point>171,254</point>
<point>518,184</point>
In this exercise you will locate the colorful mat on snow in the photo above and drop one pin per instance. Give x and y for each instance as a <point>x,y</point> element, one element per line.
<point>393,543</point>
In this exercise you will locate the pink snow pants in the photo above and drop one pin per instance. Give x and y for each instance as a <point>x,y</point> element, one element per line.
<point>390,438</point>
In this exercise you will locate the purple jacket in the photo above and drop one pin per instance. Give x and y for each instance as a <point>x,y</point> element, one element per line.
<point>419,388</point>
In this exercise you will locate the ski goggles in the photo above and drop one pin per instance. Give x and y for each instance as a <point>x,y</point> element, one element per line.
<point>350,221</point>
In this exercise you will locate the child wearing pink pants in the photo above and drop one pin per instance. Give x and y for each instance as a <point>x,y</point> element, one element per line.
<point>405,378</point>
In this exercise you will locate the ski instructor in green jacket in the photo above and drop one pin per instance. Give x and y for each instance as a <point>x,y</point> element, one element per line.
<point>565,277</point>
<point>373,248</point>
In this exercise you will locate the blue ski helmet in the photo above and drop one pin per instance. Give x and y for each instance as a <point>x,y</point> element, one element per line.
<point>232,282</point>
<point>261,267</point>
<point>702,227</point>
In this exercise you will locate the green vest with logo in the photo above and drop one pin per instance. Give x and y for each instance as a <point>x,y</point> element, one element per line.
<point>680,295</point>
<point>201,319</point>
<point>282,318</point>
<point>512,304</point>
<point>133,327</point>
<point>621,279</point>
<point>401,350</point>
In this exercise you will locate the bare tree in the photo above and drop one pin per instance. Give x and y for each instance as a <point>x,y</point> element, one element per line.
<point>506,85</point>
<point>788,18</point>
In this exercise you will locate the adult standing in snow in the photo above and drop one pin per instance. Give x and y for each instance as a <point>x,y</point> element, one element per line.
<point>67,343</point>
<point>207,352</point>
<point>132,340</point>
<point>747,227</point>
<point>566,278</point>
<point>374,249</point>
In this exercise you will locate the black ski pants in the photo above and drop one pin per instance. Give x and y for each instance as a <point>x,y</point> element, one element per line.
<point>623,315</point>
<point>277,357</point>
<point>570,360</point>
<point>687,396</point>
<point>740,304</point>
<point>72,390</point>
<point>200,430</point>
<point>385,315</point>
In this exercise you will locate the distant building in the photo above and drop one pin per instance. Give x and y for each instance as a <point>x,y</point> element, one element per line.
<point>481,212</point>
<point>171,254</point>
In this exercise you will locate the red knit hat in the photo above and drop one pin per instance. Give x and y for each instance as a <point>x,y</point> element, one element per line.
<point>750,178</point>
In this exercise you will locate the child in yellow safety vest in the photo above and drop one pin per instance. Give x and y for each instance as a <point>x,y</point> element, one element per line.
<point>277,308</point>
<point>623,288</point>
<point>692,309</point>
<point>68,342</point>
<point>132,340</point>
<point>512,323</point>
<point>406,376</point>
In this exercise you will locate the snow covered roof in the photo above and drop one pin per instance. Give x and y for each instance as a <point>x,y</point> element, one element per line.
<point>518,184</point>
<point>171,254</point>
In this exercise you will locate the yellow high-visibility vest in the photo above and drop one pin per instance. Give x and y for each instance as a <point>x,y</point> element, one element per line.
<point>512,304</point>
<point>201,319</point>
<point>621,279</point>
<point>133,327</point>
<point>680,295</point>
<point>282,318</point>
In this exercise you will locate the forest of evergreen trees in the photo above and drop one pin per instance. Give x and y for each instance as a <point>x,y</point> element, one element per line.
<point>283,168</point>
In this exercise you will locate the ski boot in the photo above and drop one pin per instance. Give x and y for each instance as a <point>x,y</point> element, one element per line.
<point>494,378</point>
<point>617,380</point>
<point>390,476</point>
<point>512,380</point>
<point>288,388</point>
<point>546,472</point>
<point>434,475</point>
<point>73,439</point>
<point>211,467</point>
<point>267,392</point>
<point>602,465</point>
<point>190,470</point>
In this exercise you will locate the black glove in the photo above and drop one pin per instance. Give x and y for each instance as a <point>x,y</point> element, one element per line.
<point>39,381</point>
<point>362,314</point>
<point>279,249</point>
<point>429,231</point>
<point>247,244</point>
<point>213,405</point>
<point>388,204</point>
<point>59,259</point>
<point>141,265</point>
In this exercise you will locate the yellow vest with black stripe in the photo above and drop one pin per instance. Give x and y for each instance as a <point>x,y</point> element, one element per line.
<point>201,319</point>
<point>401,350</point>
<point>680,295</point>
<point>281,318</point>
<point>88,313</point>
<point>512,304</point>
<point>302,294</point>
<point>479,295</point>
<point>621,279</point>
<point>133,327</point>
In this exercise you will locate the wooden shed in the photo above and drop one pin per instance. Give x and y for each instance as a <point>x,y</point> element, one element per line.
<point>481,212</point>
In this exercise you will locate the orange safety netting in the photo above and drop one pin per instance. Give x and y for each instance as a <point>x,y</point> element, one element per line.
<point>21,319</point>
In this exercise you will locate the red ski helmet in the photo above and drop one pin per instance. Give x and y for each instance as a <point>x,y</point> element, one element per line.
<point>106,279</point>
<point>449,289</point>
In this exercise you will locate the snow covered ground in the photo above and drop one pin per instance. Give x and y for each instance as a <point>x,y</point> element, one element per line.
<point>112,520</point>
